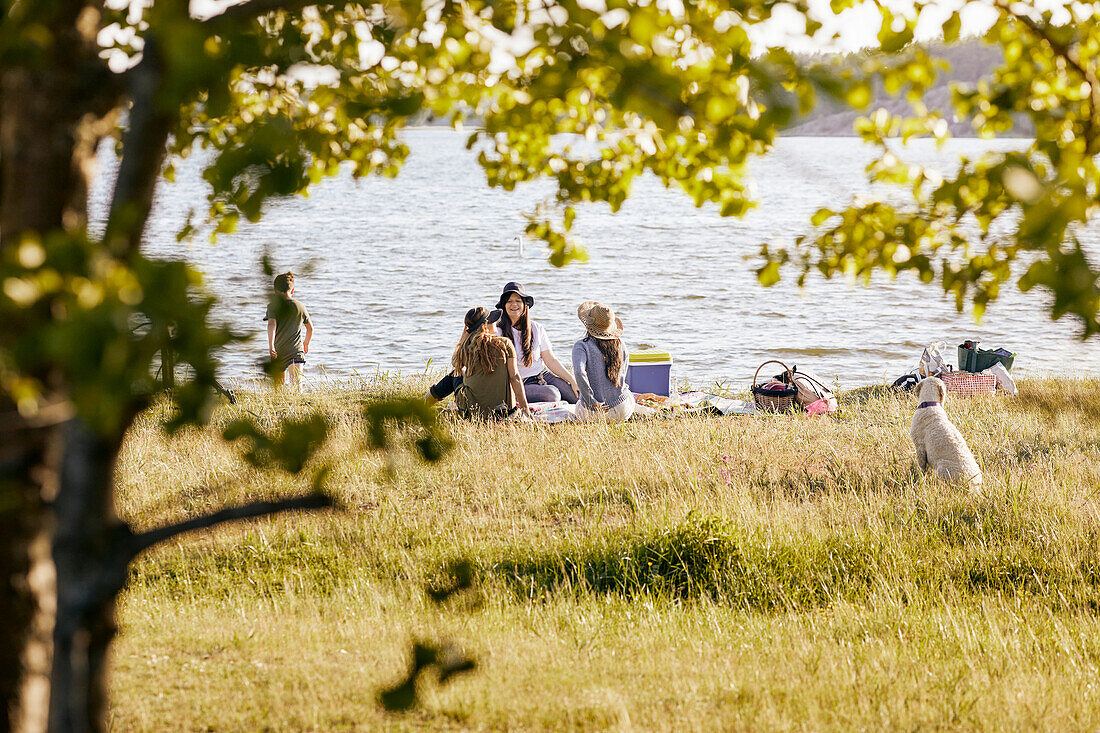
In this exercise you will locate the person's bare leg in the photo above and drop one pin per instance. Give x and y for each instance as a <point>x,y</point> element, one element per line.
<point>294,375</point>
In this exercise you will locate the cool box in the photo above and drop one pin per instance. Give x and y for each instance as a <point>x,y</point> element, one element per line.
<point>973,359</point>
<point>650,371</point>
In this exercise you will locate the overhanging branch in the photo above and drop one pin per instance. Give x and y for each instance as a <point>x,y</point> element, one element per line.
<point>141,542</point>
<point>1073,59</point>
<point>143,149</point>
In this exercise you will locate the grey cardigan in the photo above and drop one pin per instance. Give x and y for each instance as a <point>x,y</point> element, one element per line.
<point>591,374</point>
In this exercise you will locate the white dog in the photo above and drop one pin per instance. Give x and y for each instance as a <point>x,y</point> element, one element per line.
<point>940,445</point>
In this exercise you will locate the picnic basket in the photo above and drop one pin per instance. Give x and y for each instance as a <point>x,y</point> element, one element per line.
<point>774,400</point>
<point>967,384</point>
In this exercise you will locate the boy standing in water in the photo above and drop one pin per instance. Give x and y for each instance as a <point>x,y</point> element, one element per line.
<point>285,320</point>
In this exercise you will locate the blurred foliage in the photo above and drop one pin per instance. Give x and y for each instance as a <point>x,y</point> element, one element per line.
<point>386,418</point>
<point>446,659</point>
<point>588,97</point>
<point>70,313</point>
<point>280,96</point>
<point>457,580</point>
<point>592,95</point>
<point>1009,214</point>
<point>289,447</point>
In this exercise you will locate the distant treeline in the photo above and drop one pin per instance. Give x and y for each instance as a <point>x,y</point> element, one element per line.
<point>970,59</point>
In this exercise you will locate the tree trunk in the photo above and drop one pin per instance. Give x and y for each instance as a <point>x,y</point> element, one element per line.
<point>36,155</point>
<point>28,481</point>
<point>36,147</point>
<point>91,555</point>
<point>50,122</point>
<point>37,140</point>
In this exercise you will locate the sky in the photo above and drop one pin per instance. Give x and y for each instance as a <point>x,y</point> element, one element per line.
<point>858,27</point>
<point>855,28</point>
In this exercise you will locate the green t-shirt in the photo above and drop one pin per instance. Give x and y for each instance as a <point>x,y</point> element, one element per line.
<point>290,316</point>
<point>486,393</point>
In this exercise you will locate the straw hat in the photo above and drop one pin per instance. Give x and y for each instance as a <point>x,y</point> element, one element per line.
<point>599,320</point>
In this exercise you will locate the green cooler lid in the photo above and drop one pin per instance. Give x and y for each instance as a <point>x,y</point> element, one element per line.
<point>649,357</point>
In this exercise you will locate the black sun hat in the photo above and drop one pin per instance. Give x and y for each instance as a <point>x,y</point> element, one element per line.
<point>516,288</point>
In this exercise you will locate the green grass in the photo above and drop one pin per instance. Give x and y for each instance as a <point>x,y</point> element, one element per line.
<point>706,573</point>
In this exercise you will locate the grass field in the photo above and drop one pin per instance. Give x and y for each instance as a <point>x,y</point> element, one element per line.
<point>744,573</point>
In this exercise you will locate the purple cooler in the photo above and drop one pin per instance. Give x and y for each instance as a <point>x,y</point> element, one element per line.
<point>649,371</point>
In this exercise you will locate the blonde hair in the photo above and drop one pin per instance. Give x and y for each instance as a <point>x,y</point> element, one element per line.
<point>478,348</point>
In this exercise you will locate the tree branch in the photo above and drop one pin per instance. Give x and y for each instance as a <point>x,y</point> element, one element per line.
<point>143,149</point>
<point>145,540</point>
<point>1073,59</point>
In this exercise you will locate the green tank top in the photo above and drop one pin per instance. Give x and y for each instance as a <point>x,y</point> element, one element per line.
<point>486,394</point>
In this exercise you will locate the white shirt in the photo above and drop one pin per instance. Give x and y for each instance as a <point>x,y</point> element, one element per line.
<point>539,344</point>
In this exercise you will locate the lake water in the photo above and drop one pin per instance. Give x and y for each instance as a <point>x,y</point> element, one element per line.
<point>387,269</point>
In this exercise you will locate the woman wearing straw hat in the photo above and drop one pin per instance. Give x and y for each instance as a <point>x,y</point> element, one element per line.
<point>544,378</point>
<point>599,363</point>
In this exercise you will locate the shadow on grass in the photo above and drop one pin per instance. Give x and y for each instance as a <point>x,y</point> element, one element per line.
<point>697,559</point>
<point>606,498</point>
<point>871,393</point>
<point>263,565</point>
<point>1023,571</point>
<point>807,485</point>
<point>970,551</point>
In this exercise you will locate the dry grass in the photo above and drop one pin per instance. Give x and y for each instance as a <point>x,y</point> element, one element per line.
<point>734,573</point>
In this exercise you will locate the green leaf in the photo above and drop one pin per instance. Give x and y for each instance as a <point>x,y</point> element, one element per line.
<point>768,275</point>
<point>859,95</point>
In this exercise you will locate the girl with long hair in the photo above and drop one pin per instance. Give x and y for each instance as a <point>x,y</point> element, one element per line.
<point>490,385</point>
<point>544,378</point>
<point>599,363</point>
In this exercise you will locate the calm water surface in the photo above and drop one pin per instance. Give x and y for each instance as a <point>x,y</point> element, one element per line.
<point>387,269</point>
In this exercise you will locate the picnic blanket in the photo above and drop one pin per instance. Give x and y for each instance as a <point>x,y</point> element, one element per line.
<point>552,412</point>
<point>678,405</point>
<point>695,403</point>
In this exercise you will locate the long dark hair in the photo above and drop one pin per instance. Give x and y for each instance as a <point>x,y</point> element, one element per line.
<point>477,347</point>
<point>524,328</point>
<point>612,350</point>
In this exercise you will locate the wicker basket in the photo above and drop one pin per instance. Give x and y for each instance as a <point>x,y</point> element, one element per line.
<point>967,384</point>
<point>777,400</point>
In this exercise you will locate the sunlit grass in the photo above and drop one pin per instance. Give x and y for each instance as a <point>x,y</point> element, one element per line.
<point>747,573</point>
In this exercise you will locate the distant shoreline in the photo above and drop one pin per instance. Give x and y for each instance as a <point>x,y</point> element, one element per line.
<point>448,128</point>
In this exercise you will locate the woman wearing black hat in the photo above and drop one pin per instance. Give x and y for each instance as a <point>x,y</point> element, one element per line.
<point>544,378</point>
